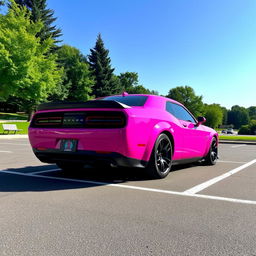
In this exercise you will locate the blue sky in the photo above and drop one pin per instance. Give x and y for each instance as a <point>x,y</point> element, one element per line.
<point>208,45</point>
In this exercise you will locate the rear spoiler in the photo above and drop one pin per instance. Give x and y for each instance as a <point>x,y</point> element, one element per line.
<point>87,104</point>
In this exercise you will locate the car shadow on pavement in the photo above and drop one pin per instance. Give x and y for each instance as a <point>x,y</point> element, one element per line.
<point>23,179</point>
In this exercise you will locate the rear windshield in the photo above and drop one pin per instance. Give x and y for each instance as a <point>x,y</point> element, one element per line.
<point>133,100</point>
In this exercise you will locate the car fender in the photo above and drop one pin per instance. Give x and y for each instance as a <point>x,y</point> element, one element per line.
<point>210,137</point>
<point>158,128</point>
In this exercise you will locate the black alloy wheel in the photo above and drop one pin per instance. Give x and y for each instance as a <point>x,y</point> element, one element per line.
<point>160,162</point>
<point>212,155</point>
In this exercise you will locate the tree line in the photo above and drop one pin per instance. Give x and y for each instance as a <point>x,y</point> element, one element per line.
<point>216,115</point>
<point>34,68</point>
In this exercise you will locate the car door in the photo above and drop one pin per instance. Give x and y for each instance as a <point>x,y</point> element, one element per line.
<point>194,137</point>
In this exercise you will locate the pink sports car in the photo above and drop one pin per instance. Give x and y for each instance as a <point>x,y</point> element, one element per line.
<point>133,130</point>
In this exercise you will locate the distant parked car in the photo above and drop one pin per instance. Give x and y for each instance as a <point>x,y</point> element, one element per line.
<point>224,131</point>
<point>230,131</point>
<point>146,131</point>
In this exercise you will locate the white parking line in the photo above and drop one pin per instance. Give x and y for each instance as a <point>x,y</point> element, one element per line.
<point>4,151</point>
<point>231,162</point>
<point>45,171</point>
<point>227,199</point>
<point>238,146</point>
<point>208,183</point>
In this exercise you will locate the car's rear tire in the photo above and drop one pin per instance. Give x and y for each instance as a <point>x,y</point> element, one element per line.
<point>68,166</point>
<point>212,156</point>
<point>160,161</point>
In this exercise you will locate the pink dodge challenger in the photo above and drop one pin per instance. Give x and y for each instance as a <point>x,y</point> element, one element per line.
<point>135,130</point>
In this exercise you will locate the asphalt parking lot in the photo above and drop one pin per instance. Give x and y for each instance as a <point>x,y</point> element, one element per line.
<point>196,210</point>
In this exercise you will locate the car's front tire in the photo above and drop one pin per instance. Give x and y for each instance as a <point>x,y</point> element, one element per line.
<point>160,161</point>
<point>212,156</point>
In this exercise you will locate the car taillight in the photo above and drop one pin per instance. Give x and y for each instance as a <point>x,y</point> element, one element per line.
<point>79,119</point>
<point>48,121</point>
<point>106,121</point>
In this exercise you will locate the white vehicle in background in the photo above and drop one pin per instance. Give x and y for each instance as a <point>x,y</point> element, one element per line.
<point>230,131</point>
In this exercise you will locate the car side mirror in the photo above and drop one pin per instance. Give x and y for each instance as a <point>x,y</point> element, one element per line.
<point>200,120</point>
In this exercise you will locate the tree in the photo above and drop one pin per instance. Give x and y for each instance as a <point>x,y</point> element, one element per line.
<point>252,112</point>
<point>40,12</point>
<point>130,83</point>
<point>238,116</point>
<point>25,70</point>
<point>139,89</point>
<point>100,65</point>
<point>213,114</point>
<point>128,80</point>
<point>249,129</point>
<point>186,95</point>
<point>225,115</point>
<point>77,78</point>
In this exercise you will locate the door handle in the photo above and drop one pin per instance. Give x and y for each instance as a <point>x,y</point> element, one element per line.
<point>184,125</point>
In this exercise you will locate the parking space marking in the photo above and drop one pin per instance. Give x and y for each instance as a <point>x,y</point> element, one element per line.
<point>231,162</point>
<point>227,199</point>
<point>45,171</point>
<point>4,151</point>
<point>238,146</point>
<point>210,182</point>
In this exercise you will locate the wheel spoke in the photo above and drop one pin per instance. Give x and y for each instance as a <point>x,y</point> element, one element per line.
<point>163,155</point>
<point>213,156</point>
<point>162,165</point>
<point>167,148</point>
<point>167,160</point>
<point>161,146</point>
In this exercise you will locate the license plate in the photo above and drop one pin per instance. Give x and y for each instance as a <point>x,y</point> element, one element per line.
<point>68,145</point>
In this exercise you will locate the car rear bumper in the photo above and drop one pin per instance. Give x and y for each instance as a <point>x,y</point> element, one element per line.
<point>88,157</point>
<point>120,141</point>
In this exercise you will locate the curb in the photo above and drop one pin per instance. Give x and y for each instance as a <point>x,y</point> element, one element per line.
<point>25,136</point>
<point>12,121</point>
<point>14,136</point>
<point>237,142</point>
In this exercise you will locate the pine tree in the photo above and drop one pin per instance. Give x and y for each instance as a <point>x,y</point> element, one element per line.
<point>39,11</point>
<point>106,83</point>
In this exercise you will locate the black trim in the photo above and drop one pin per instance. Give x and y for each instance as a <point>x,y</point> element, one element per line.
<point>71,119</point>
<point>187,160</point>
<point>87,157</point>
<point>87,104</point>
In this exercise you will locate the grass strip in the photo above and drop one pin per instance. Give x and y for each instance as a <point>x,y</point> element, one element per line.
<point>237,138</point>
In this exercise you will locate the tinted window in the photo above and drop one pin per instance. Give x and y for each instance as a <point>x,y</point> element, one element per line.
<point>169,108</point>
<point>133,100</point>
<point>179,112</point>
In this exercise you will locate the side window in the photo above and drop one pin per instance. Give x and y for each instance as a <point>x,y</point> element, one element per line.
<point>179,112</point>
<point>169,108</point>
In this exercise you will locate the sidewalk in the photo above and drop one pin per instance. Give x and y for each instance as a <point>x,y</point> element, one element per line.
<point>25,136</point>
<point>237,142</point>
<point>12,121</point>
<point>13,136</point>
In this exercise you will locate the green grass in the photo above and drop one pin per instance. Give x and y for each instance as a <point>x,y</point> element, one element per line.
<point>20,125</point>
<point>239,138</point>
<point>24,127</point>
<point>13,116</point>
